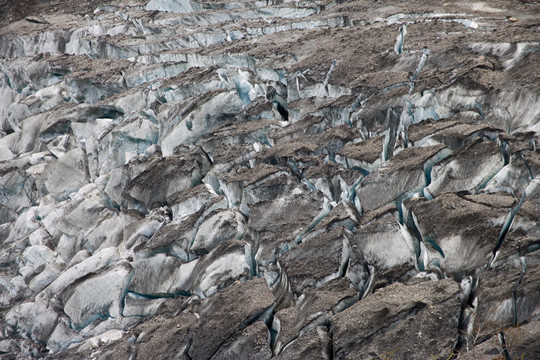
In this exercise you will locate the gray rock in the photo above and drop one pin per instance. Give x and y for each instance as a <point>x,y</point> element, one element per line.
<point>210,327</point>
<point>451,175</point>
<point>263,182</point>
<point>228,262</point>
<point>386,246</point>
<point>457,135</point>
<point>333,181</point>
<point>366,155</point>
<point>496,300</point>
<point>223,314</point>
<point>191,200</point>
<point>166,177</point>
<point>237,143</point>
<point>400,177</point>
<point>197,117</point>
<point>159,275</point>
<point>522,341</point>
<point>177,236</point>
<point>450,226</point>
<point>218,226</point>
<point>394,322</point>
<point>313,309</point>
<point>315,262</point>
<point>186,179</point>
<point>284,225</point>
<point>250,343</point>
<point>528,293</point>
<point>316,344</point>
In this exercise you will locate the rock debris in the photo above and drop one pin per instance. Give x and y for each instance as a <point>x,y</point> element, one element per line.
<point>207,179</point>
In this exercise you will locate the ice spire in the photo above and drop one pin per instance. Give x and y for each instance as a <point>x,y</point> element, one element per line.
<point>398,47</point>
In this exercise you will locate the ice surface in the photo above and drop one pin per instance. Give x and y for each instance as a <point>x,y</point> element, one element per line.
<point>315,166</point>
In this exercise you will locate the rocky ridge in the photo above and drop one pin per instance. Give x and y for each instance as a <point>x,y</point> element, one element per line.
<point>272,179</point>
